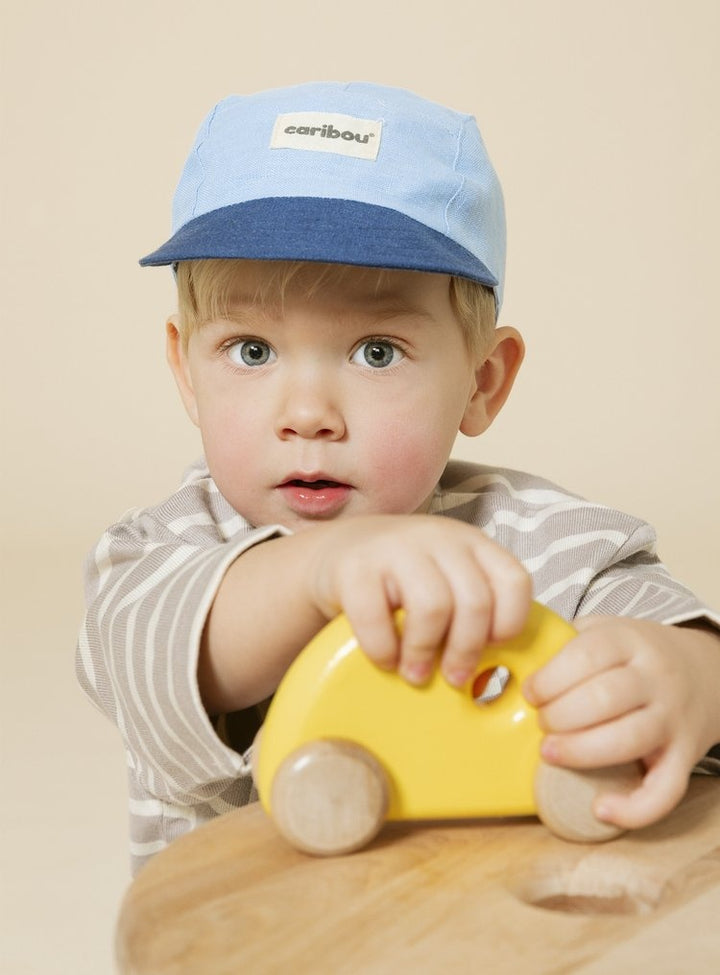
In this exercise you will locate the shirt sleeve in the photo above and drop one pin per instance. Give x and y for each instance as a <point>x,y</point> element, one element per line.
<point>636,583</point>
<point>150,583</point>
<point>583,557</point>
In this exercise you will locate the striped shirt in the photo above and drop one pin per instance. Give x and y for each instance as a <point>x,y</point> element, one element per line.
<point>152,578</point>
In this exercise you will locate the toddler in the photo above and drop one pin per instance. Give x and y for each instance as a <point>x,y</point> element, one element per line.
<point>339,254</point>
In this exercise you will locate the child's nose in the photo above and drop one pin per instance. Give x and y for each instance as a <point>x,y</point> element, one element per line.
<point>310,409</point>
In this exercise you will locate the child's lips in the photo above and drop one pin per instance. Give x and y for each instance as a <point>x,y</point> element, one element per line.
<point>315,496</point>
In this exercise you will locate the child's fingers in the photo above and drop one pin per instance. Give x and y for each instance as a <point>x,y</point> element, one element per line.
<point>411,581</point>
<point>588,654</point>
<point>491,603</point>
<point>456,603</point>
<point>429,605</point>
<point>511,588</point>
<point>457,594</point>
<point>471,622</point>
<point>661,789</point>
<point>605,697</point>
<point>371,617</point>
<point>638,733</point>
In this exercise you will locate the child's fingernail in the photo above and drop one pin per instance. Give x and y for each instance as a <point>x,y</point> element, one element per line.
<point>387,665</point>
<point>416,673</point>
<point>549,750</point>
<point>456,678</point>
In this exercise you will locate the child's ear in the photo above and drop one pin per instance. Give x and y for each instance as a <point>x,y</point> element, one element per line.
<point>494,379</point>
<point>178,362</point>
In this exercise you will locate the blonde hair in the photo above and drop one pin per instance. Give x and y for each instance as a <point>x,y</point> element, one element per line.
<point>206,288</point>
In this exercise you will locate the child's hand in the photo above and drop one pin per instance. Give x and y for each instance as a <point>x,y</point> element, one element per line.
<point>625,690</point>
<point>457,588</point>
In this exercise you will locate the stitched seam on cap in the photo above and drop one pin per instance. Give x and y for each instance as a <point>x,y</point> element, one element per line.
<point>462,179</point>
<point>200,160</point>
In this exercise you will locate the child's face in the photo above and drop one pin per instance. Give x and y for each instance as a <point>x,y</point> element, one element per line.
<point>344,402</point>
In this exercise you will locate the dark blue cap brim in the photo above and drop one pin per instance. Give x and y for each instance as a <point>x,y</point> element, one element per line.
<point>318,229</point>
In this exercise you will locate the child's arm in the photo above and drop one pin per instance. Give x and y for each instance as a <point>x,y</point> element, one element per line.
<point>456,586</point>
<point>631,689</point>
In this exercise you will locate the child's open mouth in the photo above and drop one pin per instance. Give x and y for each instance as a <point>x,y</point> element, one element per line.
<point>316,498</point>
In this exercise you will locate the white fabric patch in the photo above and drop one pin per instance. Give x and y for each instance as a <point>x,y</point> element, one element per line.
<point>327,132</point>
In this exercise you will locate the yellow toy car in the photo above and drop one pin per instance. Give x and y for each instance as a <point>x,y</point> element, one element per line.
<point>346,745</point>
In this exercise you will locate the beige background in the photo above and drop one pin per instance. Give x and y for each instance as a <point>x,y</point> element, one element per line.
<point>602,119</point>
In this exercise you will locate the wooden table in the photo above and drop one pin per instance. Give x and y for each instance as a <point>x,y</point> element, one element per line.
<point>491,897</point>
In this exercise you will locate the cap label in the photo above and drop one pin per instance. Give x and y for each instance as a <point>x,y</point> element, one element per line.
<point>327,132</point>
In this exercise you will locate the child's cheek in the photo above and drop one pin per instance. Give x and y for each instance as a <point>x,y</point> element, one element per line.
<point>407,470</point>
<point>231,439</point>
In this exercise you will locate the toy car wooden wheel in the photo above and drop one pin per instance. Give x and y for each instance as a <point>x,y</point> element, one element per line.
<point>329,797</point>
<point>564,799</point>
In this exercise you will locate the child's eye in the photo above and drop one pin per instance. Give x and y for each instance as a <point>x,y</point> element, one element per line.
<point>250,352</point>
<point>377,353</point>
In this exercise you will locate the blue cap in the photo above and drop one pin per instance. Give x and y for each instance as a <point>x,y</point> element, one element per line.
<point>341,173</point>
